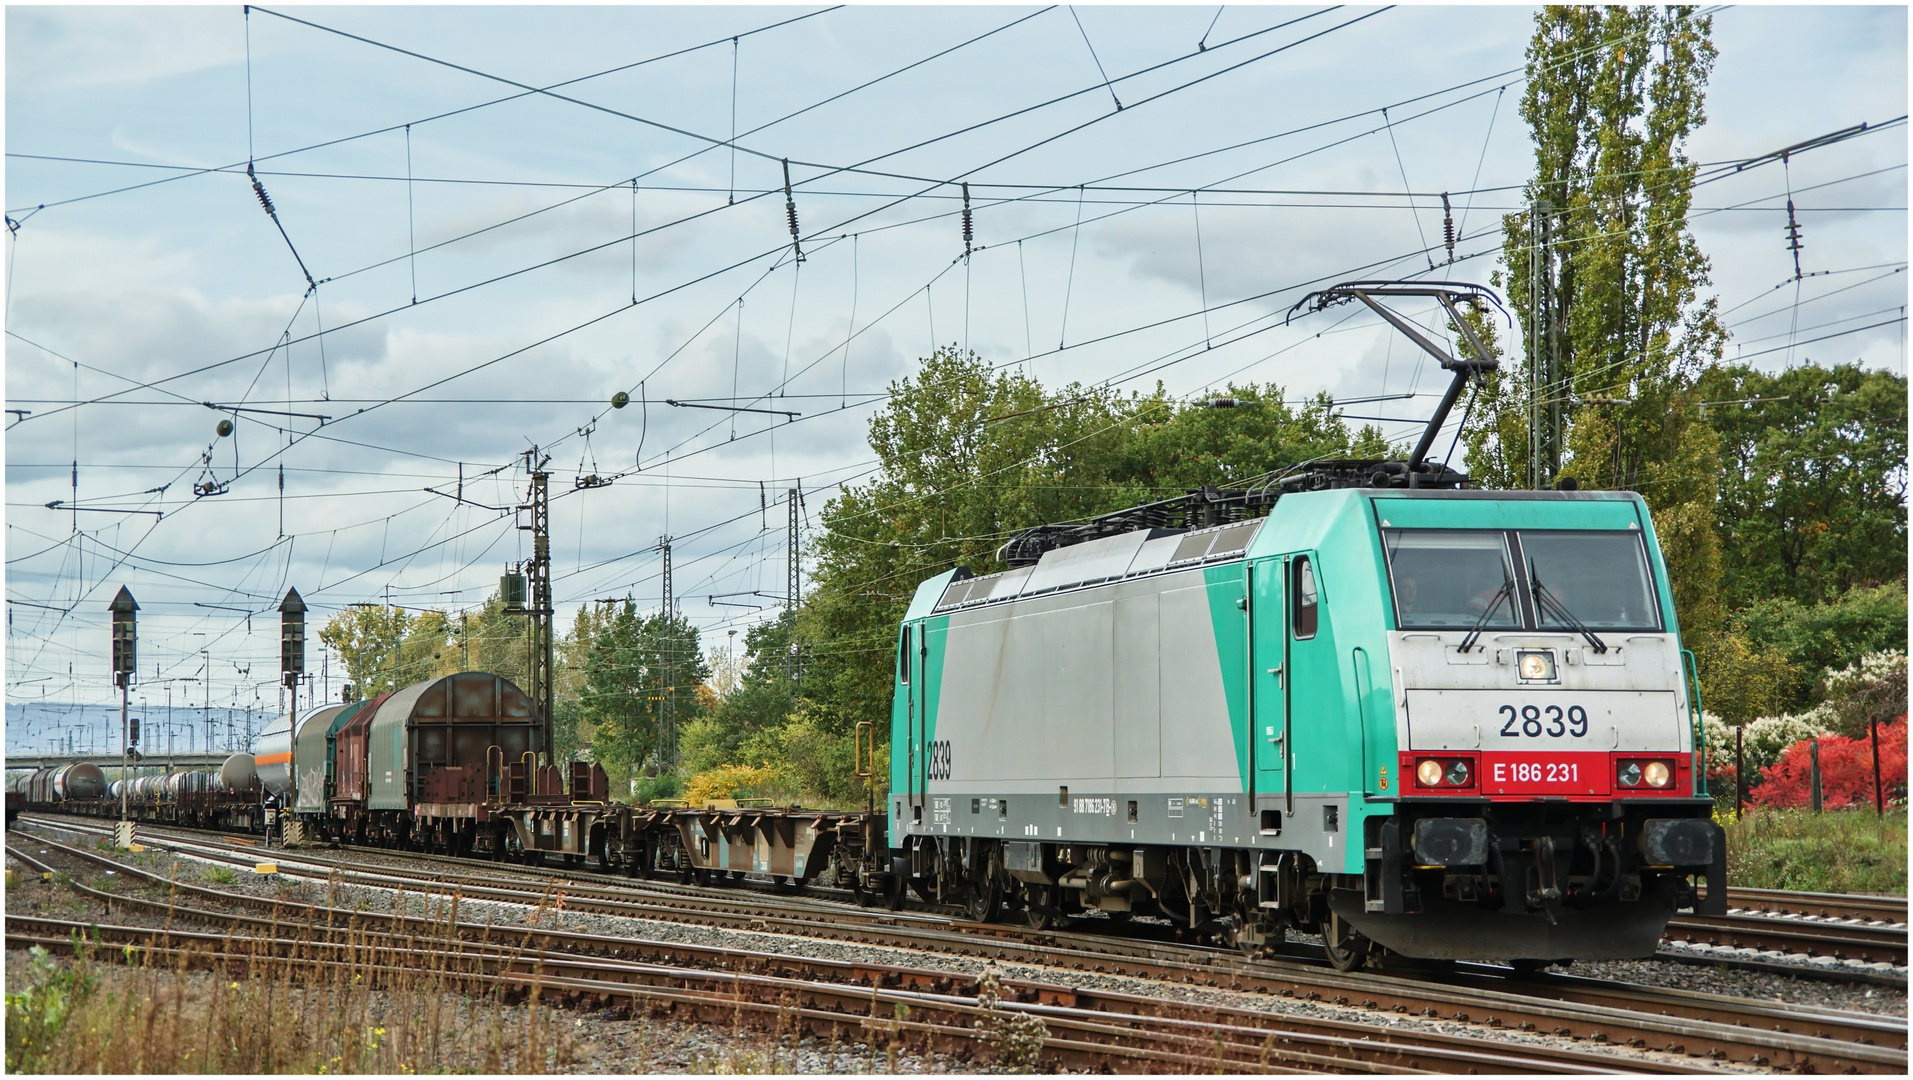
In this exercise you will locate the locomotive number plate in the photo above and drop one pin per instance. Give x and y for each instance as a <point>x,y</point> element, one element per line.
<point>1550,721</point>
<point>1545,774</point>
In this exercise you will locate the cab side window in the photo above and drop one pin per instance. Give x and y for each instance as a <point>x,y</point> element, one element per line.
<point>903,657</point>
<point>1303,617</point>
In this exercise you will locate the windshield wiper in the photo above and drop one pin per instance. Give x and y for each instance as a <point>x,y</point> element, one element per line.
<point>1554,607</point>
<point>1474,633</point>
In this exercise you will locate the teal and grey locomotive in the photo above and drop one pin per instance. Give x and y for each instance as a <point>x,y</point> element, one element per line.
<point>1363,700</point>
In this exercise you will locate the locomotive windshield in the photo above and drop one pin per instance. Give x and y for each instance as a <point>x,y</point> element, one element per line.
<point>1448,579</point>
<point>1599,578</point>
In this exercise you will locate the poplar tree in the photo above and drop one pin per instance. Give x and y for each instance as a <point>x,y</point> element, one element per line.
<point>1613,94</point>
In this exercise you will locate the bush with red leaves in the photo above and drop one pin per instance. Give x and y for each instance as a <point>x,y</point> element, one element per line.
<point>1846,771</point>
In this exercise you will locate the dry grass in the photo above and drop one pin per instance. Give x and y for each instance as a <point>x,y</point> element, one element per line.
<point>404,1004</point>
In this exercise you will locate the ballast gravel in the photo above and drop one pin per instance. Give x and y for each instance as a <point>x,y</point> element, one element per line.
<point>649,1045</point>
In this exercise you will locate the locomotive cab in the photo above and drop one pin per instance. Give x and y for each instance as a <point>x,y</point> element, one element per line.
<point>1550,802</point>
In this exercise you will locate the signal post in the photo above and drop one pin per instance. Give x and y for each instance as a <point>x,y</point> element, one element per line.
<point>292,664</point>
<point>125,649</point>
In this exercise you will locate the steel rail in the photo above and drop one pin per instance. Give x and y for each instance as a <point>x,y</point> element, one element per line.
<point>1786,902</point>
<point>1842,941</point>
<point>1750,1031</point>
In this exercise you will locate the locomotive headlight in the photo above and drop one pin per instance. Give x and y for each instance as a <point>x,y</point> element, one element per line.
<point>1457,773</point>
<point>1657,774</point>
<point>1535,666</point>
<point>1428,772</point>
<point>1629,774</point>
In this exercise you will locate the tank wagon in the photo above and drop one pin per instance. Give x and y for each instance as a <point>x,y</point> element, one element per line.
<point>227,799</point>
<point>1362,700</point>
<point>64,783</point>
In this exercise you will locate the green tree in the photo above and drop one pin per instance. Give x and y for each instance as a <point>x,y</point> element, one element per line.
<point>1817,639</point>
<point>385,648</point>
<point>1813,485</point>
<point>762,700</point>
<point>1743,681</point>
<point>488,639</point>
<point>634,665</point>
<point>574,731</point>
<point>1613,93</point>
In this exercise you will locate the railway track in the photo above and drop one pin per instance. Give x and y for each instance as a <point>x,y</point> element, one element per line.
<point>1812,905</point>
<point>782,910</point>
<point>1867,943</point>
<point>1694,1025</point>
<point>1084,1029</point>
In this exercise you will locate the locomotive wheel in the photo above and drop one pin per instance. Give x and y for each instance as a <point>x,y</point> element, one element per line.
<point>894,892</point>
<point>985,901</point>
<point>1346,948</point>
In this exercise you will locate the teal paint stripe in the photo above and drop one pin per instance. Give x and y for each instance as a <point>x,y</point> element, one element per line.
<point>1616,511</point>
<point>1227,584</point>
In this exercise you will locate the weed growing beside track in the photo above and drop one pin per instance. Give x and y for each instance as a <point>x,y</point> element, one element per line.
<point>176,1011</point>
<point>1839,851</point>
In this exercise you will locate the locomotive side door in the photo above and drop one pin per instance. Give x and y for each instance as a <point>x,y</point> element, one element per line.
<point>910,670</point>
<point>1267,674</point>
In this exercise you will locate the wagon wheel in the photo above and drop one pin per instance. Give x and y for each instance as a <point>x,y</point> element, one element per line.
<point>985,901</point>
<point>1345,946</point>
<point>1043,897</point>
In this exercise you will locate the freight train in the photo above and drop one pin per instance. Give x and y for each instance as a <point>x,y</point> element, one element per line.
<point>448,765</point>
<point>225,799</point>
<point>1362,700</point>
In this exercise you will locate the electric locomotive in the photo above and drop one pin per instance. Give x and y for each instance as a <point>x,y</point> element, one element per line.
<point>1362,700</point>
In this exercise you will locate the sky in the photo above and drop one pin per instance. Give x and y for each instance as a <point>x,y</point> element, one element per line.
<point>489,220</point>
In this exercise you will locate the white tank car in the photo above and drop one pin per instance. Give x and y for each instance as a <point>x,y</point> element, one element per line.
<point>275,756</point>
<point>238,773</point>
